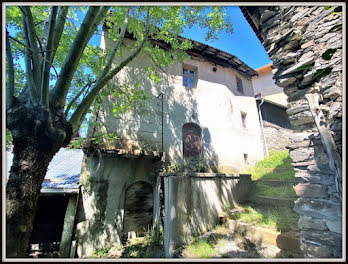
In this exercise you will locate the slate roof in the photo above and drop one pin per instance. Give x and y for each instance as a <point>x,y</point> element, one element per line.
<point>63,171</point>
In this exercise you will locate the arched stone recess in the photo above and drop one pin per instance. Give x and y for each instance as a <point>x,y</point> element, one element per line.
<point>304,43</point>
<point>138,209</point>
<point>191,140</point>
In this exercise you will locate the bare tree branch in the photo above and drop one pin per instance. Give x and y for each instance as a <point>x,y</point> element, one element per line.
<point>28,66</point>
<point>73,57</point>
<point>10,72</point>
<point>19,42</point>
<point>62,14</point>
<point>79,114</point>
<point>46,64</point>
<point>32,43</point>
<point>77,96</point>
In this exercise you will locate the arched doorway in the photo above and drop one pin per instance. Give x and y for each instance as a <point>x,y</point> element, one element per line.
<point>191,139</point>
<point>138,209</point>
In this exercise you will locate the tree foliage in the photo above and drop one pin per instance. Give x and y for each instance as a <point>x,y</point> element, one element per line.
<point>165,24</point>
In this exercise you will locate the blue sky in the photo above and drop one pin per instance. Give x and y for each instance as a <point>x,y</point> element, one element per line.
<point>242,43</point>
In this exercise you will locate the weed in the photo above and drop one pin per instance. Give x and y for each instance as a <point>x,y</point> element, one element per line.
<point>279,219</point>
<point>200,249</point>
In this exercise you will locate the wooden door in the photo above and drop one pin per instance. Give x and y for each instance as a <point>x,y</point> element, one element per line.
<point>191,137</point>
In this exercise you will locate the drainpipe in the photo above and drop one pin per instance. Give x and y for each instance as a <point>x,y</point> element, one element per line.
<point>262,129</point>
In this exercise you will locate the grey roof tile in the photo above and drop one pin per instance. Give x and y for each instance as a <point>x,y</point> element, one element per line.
<point>63,171</point>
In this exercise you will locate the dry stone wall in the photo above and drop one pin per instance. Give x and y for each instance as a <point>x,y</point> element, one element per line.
<point>302,41</point>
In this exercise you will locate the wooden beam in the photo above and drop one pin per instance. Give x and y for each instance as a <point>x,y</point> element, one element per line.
<point>335,162</point>
<point>68,228</point>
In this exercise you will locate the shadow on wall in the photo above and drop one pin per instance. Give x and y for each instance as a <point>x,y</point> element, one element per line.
<point>195,203</point>
<point>140,128</point>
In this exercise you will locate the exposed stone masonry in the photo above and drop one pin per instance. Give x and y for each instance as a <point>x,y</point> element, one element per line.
<point>296,37</point>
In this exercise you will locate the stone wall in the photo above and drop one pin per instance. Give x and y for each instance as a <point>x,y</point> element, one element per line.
<point>277,138</point>
<point>297,39</point>
<point>102,209</point>
<point>193,202</point>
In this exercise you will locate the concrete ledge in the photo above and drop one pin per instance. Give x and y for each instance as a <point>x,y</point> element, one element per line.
<point>204,175</point>
<point>289,241</point>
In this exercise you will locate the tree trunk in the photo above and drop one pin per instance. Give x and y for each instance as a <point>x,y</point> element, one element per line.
<point>22,192</point>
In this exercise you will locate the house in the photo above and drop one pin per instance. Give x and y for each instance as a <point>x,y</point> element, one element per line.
<point>203,111</point>
<point>54,219</point>
<point>272,104</point>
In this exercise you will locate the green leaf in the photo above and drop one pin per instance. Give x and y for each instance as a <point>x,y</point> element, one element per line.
<point>338,9</point>
<point>322,73</point>
<point>327,55</point>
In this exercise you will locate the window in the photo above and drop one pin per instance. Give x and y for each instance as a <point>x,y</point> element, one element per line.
<point>243,115</point>
<point>189,78</point>
<point>191,139</point>
<point>239,85</point>
<point>246,158</point>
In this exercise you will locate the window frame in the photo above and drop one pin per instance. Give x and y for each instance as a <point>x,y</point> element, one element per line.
<point>243,116</point>
<point>194,77</point>
<point>240,88</point>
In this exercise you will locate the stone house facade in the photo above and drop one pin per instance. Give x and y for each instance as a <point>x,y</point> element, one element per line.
<point>203,108</point>
<point>305,44</point>
<point>272,104</point>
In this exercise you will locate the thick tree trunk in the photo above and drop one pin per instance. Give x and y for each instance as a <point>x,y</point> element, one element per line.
<point>22,191</point>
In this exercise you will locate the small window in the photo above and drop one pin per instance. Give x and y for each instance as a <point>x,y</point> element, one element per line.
<point>243,115</point>
<point>246,159</point>
<point>189,78</point>
<point>239,85</point>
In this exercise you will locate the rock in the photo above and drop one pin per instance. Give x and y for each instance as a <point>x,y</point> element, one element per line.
<point>301,154</point>
<point>332,93</point>
<point>324,108</point>
<point>335,110</point>
<point>327,36</point>
<point>316,178</point>
<point>290,89</point>
<point>285,82</point>
<point>308,54</point>
<point>267,14</point>
<point>307,44</point>
<point>299,94</point>
<point>303,163</point>
<point>292,44</point>
<point>306,222</point>
<point>318,208</point>
<point>324,237</point>
<point>304,117</point>
<point>334,226</point>
<point>299,66</point>
<point>316,250</point>
<point>298,109</point>
<point>310,190</point>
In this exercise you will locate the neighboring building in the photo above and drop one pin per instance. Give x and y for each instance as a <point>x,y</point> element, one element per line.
<point>52,233</point>
<point>209,113</point>
<point>272,102</point>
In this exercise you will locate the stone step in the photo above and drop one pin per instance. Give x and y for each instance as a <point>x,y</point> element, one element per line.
<point>274,201</point>
<point>274,183</point>
<point>288,242</point>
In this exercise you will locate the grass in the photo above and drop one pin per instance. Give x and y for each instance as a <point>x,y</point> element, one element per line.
<point>200,249</point>
<point>144,247</point>
<point>281,219</point>
<point>277,166</point>
<point>285,191</point>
